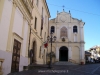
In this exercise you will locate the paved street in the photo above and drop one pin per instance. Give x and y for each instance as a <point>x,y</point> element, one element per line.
<point>91,69</point>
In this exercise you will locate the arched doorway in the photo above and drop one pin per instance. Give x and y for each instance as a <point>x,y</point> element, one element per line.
<point>63,54</point>
<point>33,53</point>
<point>34,49</point>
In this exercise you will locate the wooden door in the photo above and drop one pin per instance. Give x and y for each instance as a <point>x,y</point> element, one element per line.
<point>16,56</point>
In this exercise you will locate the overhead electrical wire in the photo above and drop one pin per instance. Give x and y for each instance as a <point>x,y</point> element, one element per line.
<point>73,9</point>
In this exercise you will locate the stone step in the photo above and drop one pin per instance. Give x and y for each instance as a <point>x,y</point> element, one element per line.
<point>64,63</point>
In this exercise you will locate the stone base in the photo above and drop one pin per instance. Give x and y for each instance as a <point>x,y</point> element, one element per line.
<point>1,73</point>
<point>57,60</point>
<point>82,61</point>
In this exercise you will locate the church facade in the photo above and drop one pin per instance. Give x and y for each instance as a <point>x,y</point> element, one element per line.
<point>69,33</point>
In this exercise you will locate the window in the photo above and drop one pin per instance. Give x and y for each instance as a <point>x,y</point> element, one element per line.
<point>41,21</point>
<point>74,29</point>
<point>37,2</point>
<point>35,23</point>
<point>63,32</point>
<point>52,29</point>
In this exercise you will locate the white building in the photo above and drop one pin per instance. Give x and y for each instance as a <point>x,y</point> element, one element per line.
<point>23,31</point>
<point>69,45</point>
<point>15,21</point>
<point>39,32</point>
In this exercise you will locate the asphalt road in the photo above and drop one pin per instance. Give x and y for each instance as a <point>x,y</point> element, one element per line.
<point>91,69</point>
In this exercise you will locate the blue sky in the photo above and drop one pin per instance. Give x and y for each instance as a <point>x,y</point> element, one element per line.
<point>87,10</point>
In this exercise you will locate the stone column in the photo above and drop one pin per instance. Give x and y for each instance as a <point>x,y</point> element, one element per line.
<point>82,33</point>
<point>57,54</point>
<point>11,28</point>
<point>69,53</point>
<point>58,33</point>
<point>2,2</point>
<point>82,54</point>
<point>69,33</point>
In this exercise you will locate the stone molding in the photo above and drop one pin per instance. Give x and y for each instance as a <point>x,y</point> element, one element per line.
<point>23,9</point>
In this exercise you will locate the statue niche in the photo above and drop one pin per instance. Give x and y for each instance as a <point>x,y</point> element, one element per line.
<point>63,32</point>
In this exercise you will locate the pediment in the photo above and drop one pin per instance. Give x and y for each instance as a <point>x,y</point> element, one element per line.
<point>63,17</point>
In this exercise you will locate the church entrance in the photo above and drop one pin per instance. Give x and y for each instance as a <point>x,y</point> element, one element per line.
<point>63,54</point>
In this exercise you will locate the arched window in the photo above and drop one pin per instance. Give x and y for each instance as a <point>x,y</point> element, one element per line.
<point>63,32</point>
<point>75,29</point>
<point>52,29</point>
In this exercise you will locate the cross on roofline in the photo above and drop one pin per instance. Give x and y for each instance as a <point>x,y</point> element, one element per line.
<point>63,7</point>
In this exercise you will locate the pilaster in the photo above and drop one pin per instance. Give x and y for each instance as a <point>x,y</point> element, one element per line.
<point>23,26</point>
<point>57,54</point>
<point>82,54</point>
<point>58,33</point>
<point>70,52</point>
<point>28,33</point>
<point>11,28</point>
<point>69,33</point>
<point>81,34</point>
<point>1,7</point>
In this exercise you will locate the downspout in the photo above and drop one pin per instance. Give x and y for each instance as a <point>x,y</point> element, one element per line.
<point>48,42</point>
<point>29,44</point>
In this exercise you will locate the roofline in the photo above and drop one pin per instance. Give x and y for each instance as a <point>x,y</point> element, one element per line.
<point>47,8</point>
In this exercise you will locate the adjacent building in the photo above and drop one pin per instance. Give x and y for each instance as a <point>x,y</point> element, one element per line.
<point>23,31</point>
<point>69,32</point>
<point>39,32</point>
<point>95,52</point>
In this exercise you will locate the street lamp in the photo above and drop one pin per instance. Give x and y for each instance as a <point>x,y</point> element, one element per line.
<point>50,40</point>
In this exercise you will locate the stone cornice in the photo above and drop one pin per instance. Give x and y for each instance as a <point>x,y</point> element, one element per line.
<point>36,9</point>
<point>47,9</point>
<point>67,42</point>
<point>34,32</point>
<point>15,34</point>
<point>30,4</point>
<point>22,7</point>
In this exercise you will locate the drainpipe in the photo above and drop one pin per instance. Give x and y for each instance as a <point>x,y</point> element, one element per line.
<point>29,44</point>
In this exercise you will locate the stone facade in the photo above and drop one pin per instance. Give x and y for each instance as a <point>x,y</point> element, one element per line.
<point>67,38</point>
<point>39,32</point>
<point>23,31</point>
<point>15,21</point>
